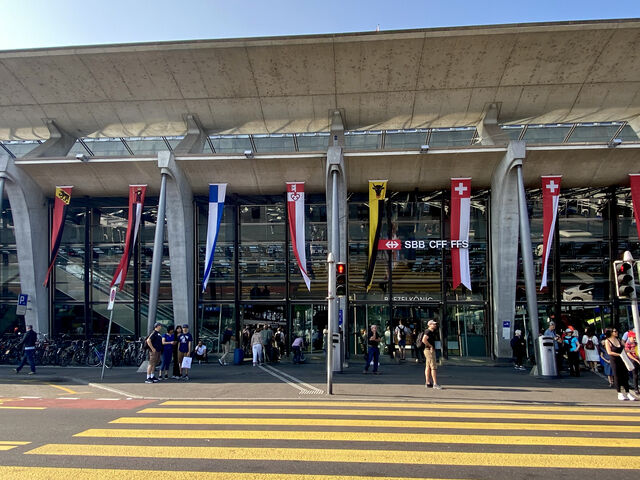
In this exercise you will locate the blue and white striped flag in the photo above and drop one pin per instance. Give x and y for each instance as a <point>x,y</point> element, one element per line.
<point>217,193</point>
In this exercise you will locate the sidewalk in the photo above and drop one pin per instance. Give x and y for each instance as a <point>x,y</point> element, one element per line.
<point>487,382</point>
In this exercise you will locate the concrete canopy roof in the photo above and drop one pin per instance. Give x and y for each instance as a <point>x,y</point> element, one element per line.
<point>537,73</point>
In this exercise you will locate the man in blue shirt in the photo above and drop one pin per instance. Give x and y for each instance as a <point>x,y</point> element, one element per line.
<point>185,347</point>
<point>29,342</point>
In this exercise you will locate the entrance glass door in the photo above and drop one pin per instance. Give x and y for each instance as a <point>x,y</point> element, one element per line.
<point>310,320</point>
<point>415,317</point>
<point>363,316</point>
<point>467,331</point>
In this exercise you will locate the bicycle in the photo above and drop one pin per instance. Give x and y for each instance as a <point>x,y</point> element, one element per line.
<point>97,355</point>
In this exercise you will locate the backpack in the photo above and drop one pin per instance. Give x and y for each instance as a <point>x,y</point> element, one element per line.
<point>419,343</point>
<point>145,345</point>
<point>590,345</point>
<point>402,335</point>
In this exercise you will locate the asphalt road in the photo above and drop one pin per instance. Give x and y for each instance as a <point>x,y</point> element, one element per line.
<point>379,427</point>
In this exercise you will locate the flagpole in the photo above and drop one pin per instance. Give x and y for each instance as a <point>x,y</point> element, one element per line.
<point>158,251</point>
<point>110,307</point>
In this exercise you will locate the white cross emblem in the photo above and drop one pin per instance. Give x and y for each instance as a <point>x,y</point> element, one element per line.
<point>461,189</point>
<point>552,186</point>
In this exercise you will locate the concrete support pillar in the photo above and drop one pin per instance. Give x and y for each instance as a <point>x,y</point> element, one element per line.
<point>336,190</point>
<point>194,140</point>
<point>31,226</point>
<point>180,230</point>
<point>489,130</point>
<point>58,144</point>
<point>505,225</point>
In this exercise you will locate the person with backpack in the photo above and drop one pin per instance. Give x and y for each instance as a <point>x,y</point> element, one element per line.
<point>573,355</point>
<point>400,334</point>
<point>226,345</point>
<point>590,344</point>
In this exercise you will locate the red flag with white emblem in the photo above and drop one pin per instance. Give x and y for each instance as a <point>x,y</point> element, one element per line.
<point>634,178</point>
<point>460,214</point>
<point>136,202</point>
<point>295,211</point>
<point>550,198</point>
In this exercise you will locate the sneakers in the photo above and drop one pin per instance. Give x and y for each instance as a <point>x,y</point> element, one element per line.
<point>428,385</point>
<point>437,387</point>
<point>31,373</point>
<point>166,377</point>
<point>621,396</point>
<point>185,378</point>
<point>148,380</point>
<point>220,362</point>
<point>631,397</point>
<point>175,377</point>
<point>16,370</point>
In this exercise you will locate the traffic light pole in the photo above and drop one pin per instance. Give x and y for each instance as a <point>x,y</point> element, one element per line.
<point>634,295</point>
<point>331,299</point>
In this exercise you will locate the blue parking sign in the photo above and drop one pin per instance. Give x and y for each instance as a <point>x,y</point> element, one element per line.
<point>23,298</point>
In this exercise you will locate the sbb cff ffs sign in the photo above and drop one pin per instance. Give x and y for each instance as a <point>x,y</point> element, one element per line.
<point>387,244</point>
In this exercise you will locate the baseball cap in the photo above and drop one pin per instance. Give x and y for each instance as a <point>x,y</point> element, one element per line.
<point>432,322</point>
<point>157,324</point>
<point>568,330</point>
<point>518,332</point>
<point>186,325</point>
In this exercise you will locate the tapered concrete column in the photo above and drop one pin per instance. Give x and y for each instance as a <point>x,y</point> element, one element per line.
<point>57,145</point>
<point>505,225</point>
<point>31,226</point>
<point>180,230</point>
<point>194,140</point>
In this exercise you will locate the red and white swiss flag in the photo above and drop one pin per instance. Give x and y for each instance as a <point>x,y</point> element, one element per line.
<point>550,198</point>
<point>460,212</point>
<point>634,179</point>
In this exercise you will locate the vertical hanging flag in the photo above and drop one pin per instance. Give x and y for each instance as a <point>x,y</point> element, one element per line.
<point>634,179</point>
<point>295,212</point>
<point>460,212</point>
<point>61,202</point>
<point>217,193</point>
<point>136,202</point>
<point>550,198</point>
<point>377,195</point>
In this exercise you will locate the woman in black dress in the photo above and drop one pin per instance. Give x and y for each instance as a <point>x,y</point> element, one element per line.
<point>614,347</point>
<point>176,365</point>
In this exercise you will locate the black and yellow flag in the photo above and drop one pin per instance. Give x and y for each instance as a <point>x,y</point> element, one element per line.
<point>377,195</point>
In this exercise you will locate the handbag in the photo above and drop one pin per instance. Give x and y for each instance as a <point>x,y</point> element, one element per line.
<point>186,362</point>
<point>627,361</point>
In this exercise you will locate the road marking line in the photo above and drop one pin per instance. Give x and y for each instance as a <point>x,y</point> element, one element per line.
<point>20,473</point>
<point>285,380</point>
<point>311,388</point>
<point>347,456</point>
<point>68,398</point>
<point>9,442</point>
<point>405,405</point>
<point>116,391</point>
<point>385,413</point>
<point>346,422</point>
<point>5,407</point>
<point>32,398</point>
<point>359,437</point>
<point>64,389</point>
<point>108,399</point>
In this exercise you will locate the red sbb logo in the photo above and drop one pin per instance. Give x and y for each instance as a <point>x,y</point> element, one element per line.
<point>385,244</point>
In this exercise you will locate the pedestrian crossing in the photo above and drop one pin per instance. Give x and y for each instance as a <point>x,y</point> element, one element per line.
<point>331,439</point>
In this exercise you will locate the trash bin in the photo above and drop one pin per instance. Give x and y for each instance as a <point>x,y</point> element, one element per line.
<point>547,357</point>
<point>238,356</point>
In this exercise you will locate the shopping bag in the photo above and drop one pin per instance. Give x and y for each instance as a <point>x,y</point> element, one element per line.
<point>627,361</point>
<point>186,362</point>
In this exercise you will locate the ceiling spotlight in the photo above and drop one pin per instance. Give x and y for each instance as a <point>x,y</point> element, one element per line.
<point>424,148</point>
<point>248,153</point>
<point>82,157</point>
<point>614,143</point>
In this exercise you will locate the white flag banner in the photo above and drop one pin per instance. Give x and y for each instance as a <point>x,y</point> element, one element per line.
<point>460,213</point>
<point>217,192</point>
<point>550,198</point>
<point>295,211</point>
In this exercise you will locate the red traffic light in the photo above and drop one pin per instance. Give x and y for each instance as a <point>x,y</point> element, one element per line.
<point>341,268</point>
<point>625,285</point>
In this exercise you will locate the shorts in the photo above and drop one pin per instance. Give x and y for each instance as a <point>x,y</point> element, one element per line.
<point>430,355</point>
<point>154,359</point>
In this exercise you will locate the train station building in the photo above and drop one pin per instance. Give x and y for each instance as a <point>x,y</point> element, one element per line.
<point>416,108</point>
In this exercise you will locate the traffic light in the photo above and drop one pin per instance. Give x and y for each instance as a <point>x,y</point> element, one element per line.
<point>341,279</point>
<point>625,285</point>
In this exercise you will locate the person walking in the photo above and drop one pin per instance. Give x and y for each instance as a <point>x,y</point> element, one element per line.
<point>29,343</point>
<point>605,360</point>
<point>256,346</point>
<point>590,344</point>
<point>373,351</point>
<point>296,348</point>
<point>519,350</point>
<point>631,347</point>
<point>573,356</point>
<point>226,345</point>
<point>154,342</point>
<point>185,347</point>
<point>400,333</point>
<point>176,364</point>
<point>614,348</point>
<point>168,339</point>
<point>429,340</point>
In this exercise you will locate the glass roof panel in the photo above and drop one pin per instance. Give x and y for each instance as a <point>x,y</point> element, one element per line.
<point>513,131</point>
<point>106,147</point>
<point>405,140</point>
<point>20,148</point>
<point>593,133</point>
<point>628,135</point>
<point>546,133</point>
<point>146,146</point>
<point>451,137</point>
<point>77,149</point>
<point>362,140</point>
<point>174,141</point>
<point>274,143</point>
<point>231,143</point>
<point>313,142</point>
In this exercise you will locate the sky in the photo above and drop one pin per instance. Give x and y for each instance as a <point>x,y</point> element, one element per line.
<point>55,23</point>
